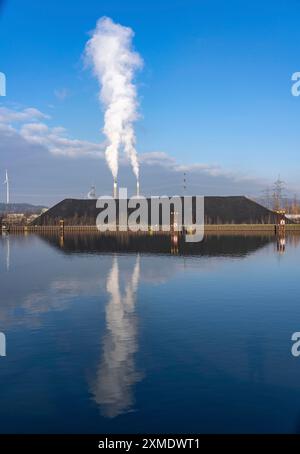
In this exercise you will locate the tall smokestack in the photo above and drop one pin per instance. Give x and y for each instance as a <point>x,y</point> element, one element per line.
<point>138,188</point>
<point>115,189</point>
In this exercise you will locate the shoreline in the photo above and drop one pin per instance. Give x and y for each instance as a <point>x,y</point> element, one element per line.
<point>209,228</point>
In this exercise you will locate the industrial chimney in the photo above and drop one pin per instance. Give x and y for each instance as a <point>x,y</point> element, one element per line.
<point>115,189</point>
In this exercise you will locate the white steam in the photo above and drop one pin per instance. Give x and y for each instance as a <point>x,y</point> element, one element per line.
<point>115,62</point>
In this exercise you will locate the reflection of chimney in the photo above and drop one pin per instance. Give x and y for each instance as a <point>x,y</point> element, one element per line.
<point>138,188</point>
<point>115,189</point>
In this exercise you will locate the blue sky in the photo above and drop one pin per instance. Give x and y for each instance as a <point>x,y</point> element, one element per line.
<point>215,93</point>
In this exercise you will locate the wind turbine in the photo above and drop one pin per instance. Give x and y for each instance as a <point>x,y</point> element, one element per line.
<point>7,187</point>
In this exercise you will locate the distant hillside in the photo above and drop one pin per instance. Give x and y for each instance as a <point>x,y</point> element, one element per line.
<point>218,210</point>
<point>20,208</point>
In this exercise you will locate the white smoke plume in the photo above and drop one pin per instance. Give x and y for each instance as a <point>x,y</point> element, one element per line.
<point>115,62</point>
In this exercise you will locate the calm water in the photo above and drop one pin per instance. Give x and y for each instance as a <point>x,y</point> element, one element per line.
<point>101,340</point>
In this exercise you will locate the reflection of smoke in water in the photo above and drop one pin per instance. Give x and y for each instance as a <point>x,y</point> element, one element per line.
<point>6,250</point>
<point>7,253</point>
<point>117,374</point>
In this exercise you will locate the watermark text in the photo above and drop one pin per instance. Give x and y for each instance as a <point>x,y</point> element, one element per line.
<point>2,84</point>
<point>2,344</point>
<point>296,84</point>
<point>157,213</point>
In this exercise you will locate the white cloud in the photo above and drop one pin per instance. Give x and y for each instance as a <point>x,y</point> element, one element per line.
<point>157,158</point>
<point>27,140</point>
<point>16,116</point>
<point>57,142</point>
<point>162,159</point>
<point>26,123</point>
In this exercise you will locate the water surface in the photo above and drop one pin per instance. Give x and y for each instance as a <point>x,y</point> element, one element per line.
<point>148,336</point>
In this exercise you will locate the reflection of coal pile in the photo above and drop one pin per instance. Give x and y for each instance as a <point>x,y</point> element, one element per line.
<point>212,245</point>
<point>117,375</point>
